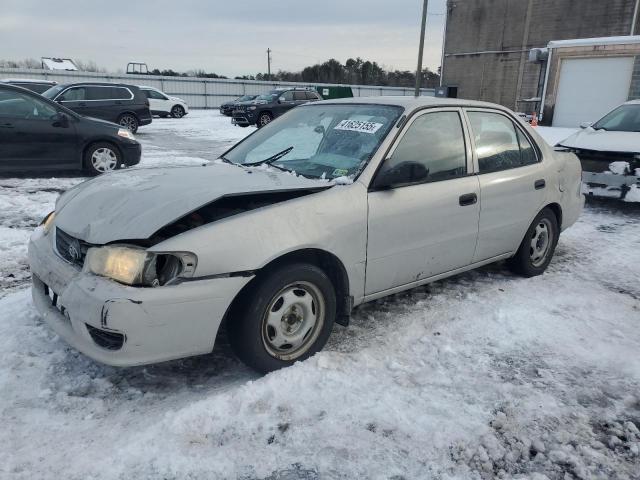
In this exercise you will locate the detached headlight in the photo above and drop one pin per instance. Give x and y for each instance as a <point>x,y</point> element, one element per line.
<point>47,222</point>
<point>252,107</point>
<point>137,266</point>
<point>123,132</point>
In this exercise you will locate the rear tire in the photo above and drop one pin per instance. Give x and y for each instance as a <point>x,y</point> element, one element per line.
<point>102,157</point>
<point>129,121</point>
<point>287,316</point>
<point>537,247</point>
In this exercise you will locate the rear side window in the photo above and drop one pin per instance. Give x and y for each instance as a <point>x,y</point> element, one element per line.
<point>312,96</point>
<point>107,93</point>
<point>153,94</point>
<point>299,96</point>
<point>120,93</point>
<point>435,140</point>
<point>499,144</point>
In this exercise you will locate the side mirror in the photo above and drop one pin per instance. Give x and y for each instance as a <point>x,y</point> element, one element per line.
<point>319,129</point>
<point>281,99</point>
<point>60,120</point>
<point>404,173</point>
<point>586,124</point>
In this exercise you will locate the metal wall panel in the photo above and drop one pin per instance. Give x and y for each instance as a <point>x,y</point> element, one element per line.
<point>197,92</point>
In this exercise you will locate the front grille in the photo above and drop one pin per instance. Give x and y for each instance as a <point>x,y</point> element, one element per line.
<point>70,248</point>
<point>598,162</point>
<point>105,338</point>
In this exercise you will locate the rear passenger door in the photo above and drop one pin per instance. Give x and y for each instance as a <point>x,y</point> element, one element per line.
<point>512,181</point>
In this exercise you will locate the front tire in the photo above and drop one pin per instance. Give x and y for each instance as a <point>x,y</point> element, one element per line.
<point>177,111</point>
<point>537,247</point>
<point>286,317</point>
<point>264,119</point>
<point>129,121</point>
<point>102,157</point>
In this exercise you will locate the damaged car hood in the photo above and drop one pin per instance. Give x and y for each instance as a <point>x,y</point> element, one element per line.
<point>603,141</point>
<point>134,204</point>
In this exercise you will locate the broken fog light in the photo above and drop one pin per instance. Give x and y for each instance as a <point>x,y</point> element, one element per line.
<point>138,267</point>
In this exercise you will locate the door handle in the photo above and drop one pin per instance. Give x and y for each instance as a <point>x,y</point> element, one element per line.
<point>468,199</point>
<point>82,104</point>
<point>539,184</point>
<point>6,125</point>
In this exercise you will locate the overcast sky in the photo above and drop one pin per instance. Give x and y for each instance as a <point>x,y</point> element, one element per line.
<point>226,37</point>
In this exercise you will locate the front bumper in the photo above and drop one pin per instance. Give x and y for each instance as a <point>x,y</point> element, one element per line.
<point>153,324</point>
<point>131,153</point>
<point>608,184</point>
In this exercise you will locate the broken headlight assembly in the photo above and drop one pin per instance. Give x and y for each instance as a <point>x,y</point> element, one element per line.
<point>136,266</point>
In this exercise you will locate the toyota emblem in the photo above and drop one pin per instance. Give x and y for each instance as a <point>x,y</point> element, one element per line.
<point>73,253</point>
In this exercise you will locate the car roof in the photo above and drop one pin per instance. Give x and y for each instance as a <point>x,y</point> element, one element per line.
<point>633,102</point>
<point>412,103</point>
<point>98,84</point>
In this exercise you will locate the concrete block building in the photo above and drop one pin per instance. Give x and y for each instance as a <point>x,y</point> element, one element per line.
<point>486,52</point>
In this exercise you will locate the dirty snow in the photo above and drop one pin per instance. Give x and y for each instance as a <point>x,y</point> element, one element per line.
<point>485,375</point>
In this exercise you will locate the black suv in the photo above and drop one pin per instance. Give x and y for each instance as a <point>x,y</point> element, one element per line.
<point>123,104</point>
<point>227,107</point>
<point>265,108</point>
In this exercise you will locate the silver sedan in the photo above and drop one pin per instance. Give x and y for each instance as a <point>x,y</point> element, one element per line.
<point>334,204</point>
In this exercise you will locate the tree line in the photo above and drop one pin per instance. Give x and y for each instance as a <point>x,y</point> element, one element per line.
<point>354,72</point>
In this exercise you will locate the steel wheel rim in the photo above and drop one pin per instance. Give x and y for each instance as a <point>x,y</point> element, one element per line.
<point>540,244</point>
<point>293,320</point>
<point>128,122</point>
<point>264,120</point>
<point>177,112</point>
<point>104,160</point>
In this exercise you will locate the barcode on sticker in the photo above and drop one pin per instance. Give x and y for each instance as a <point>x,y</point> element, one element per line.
<point>358,126</point>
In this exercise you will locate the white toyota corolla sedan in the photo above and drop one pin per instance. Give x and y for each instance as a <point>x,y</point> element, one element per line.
<point>334,204</point>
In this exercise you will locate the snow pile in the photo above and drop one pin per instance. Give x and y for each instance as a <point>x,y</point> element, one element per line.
<point>619,168</point>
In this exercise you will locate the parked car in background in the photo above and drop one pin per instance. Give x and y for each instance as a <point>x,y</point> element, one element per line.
<point>164,105</point>
<point>123,104</point>
<point>227,107</point>
<point>264,108</point>
<point>37,134</point>
<point>38,86</point>
<point>609,151</point>
<point>385,197</point>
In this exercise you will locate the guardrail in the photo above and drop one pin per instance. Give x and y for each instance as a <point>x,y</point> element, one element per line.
<point>197,92</point>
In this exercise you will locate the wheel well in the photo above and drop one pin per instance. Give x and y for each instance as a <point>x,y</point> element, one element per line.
<point>328,262</point>
<point>177,105</point>
<point>557,210</point>
<point>92,143</point>
<point>265,111</point>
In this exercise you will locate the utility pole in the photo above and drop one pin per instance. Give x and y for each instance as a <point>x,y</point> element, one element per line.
<point>421,49</point>
<point>268,64</point>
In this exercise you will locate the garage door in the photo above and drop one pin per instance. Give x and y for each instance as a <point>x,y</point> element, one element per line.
<point>590,87</point>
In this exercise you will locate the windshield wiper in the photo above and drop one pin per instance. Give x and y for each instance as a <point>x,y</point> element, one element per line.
<point>271,159</point>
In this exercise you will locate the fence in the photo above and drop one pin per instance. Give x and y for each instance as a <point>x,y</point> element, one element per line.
<point>197,92</point>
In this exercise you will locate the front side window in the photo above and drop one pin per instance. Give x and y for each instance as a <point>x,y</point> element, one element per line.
<point>625,118</point>
<point>499,144</point>
<point>434,145</point>
<point>149,93</point>
<point>18,105</point>
<point>320,141</point>
<point>73,94</point>
<point>287,96</point>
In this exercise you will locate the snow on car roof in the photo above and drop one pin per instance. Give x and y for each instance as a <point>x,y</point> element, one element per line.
<point>578,42</point>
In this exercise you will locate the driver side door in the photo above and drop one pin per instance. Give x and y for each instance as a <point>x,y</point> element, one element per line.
<point>30,136</point>
<point>423,224</point>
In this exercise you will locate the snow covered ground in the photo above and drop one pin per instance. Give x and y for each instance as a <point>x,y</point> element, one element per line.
<point>480,376</point>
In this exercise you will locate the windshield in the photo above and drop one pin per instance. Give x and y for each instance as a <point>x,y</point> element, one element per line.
<point>244,98</point>
<point>625,118</point>
<point>53,91</point>
<point>319,141</point>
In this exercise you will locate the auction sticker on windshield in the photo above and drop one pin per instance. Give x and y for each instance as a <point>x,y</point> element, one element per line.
<point>358,126</point>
